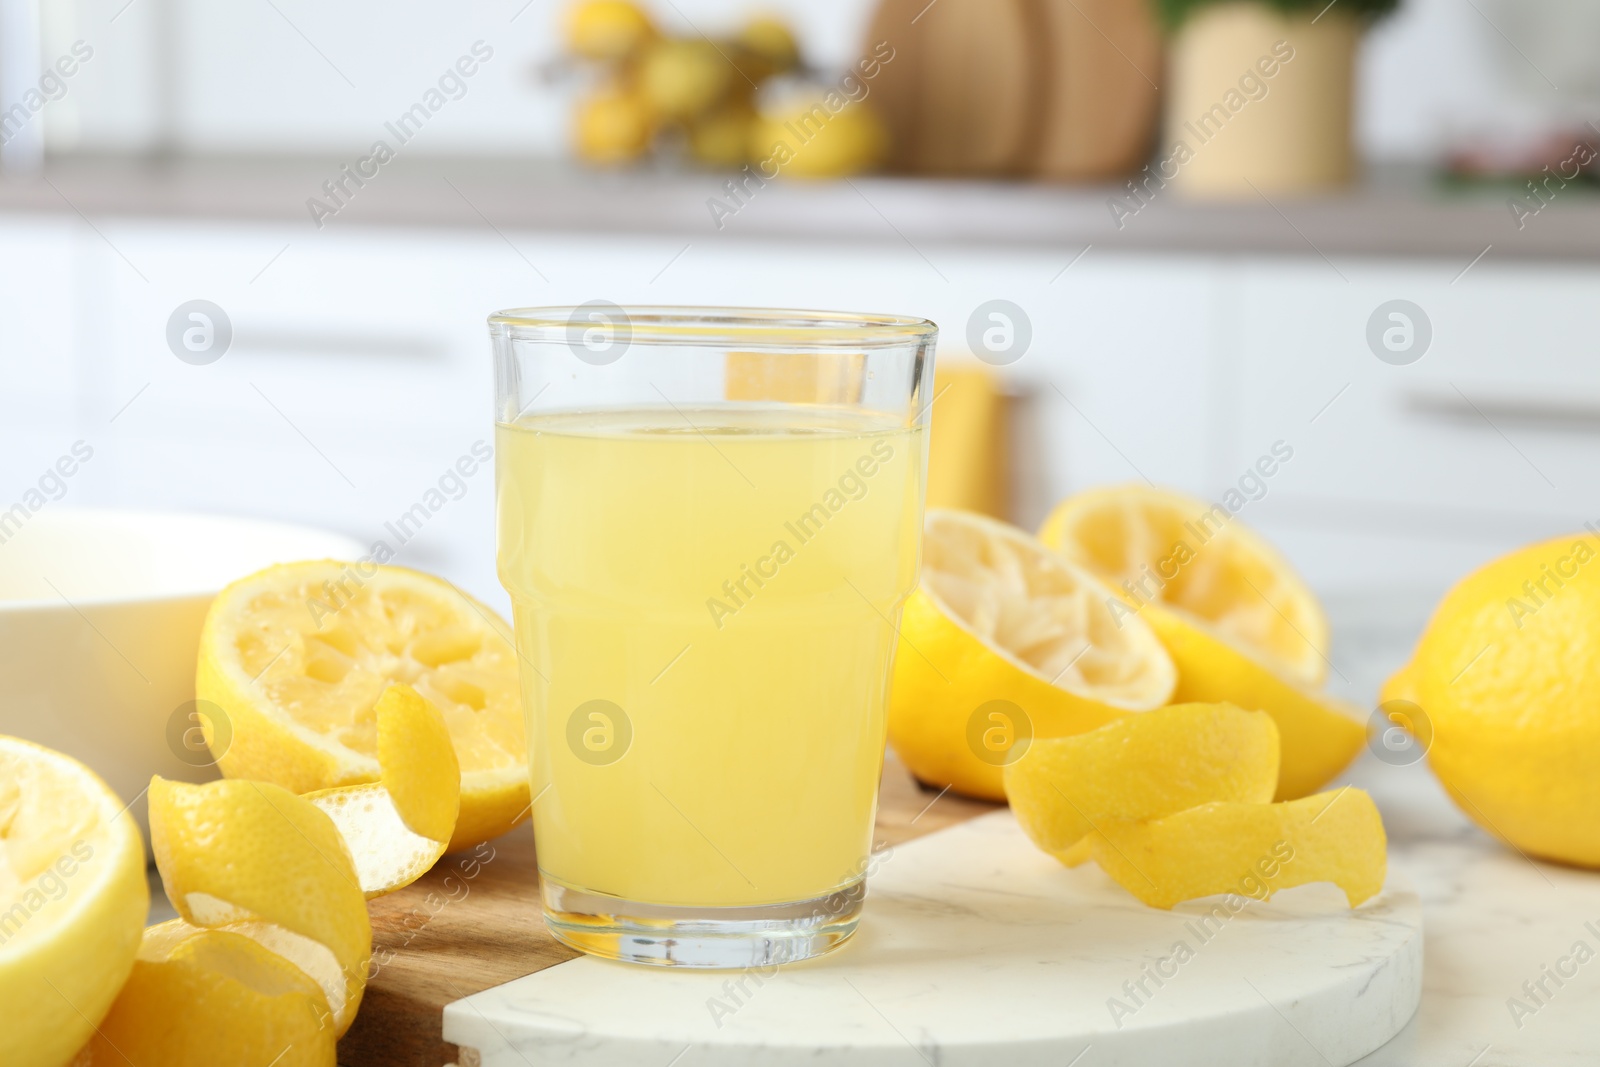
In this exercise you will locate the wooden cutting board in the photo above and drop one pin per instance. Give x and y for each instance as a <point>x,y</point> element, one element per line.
<point>473,923</point>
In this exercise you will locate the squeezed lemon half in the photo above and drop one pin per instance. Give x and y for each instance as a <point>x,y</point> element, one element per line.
<point>1197,561</point>
<point>1241,625</point>
<point>1005,641</point>
<point>298,655</point>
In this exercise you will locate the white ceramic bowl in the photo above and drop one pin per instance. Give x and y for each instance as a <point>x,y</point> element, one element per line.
<point>100,615</point>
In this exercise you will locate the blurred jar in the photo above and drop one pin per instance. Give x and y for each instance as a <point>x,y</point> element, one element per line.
<point>1260,100</point>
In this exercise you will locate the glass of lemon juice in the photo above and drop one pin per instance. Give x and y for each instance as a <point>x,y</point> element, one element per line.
<point>708,522</point>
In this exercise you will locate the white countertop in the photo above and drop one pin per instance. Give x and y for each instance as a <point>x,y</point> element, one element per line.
<point>1492,919</point>
<point>1396,212</point>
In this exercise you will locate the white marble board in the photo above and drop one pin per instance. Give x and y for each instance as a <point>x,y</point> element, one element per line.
<point>977,949</point>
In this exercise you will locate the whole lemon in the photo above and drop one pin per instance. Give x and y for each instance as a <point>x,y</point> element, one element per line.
<point>614,125</point>
<point>769,47</point>
<point>607,29</point>
<point>721,137</point>
<point>1507,676</point>
<point>829,136</point>
<point>684,78</point>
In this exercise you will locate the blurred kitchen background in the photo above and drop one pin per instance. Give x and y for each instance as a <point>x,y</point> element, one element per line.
<point>1240,294</point>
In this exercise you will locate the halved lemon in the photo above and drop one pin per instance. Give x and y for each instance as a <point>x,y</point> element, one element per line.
<point>1197,561</point>
<point>73,899</point>
<point>1005,641</point>
<point>298,655</point>
<point>1240,624</point>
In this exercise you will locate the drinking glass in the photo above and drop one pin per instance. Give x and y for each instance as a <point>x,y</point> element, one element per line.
<point>708,521</point>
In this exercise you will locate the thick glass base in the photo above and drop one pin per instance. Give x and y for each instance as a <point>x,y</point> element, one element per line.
<point>768,935</point>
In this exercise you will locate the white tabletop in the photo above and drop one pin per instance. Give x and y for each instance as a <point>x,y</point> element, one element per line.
<point>1493,919</point>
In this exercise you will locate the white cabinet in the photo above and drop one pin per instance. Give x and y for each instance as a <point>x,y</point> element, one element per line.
<point>356,376</point>
<point>359,373</point>
<point>39,372</point>
<point>1116,380</point>
<point>1412,474</point>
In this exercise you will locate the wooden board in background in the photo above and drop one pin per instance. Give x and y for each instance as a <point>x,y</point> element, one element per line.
<point>1062,89</point>
<point>473,922</point>
<point>964,93</point>
<point>1102,107</point>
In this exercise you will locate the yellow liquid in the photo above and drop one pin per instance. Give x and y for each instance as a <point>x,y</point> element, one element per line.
<point>731,580</point>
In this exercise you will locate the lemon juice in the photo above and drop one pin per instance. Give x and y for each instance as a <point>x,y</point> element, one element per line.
<point>706,606</point>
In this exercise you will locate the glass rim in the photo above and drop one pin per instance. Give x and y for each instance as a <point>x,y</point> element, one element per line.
<point>688,325</point>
